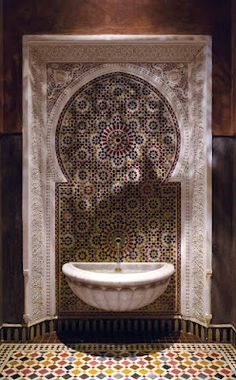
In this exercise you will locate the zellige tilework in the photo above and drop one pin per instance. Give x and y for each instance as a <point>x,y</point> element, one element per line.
<point>122,362</point>
<point>117,142</point>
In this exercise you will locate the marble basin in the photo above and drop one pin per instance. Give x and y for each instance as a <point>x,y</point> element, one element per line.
<point>135,285</point>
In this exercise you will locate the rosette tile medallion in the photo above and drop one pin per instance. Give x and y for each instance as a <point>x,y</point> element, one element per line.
<point>117,143</point>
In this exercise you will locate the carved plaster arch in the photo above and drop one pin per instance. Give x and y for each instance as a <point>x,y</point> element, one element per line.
<point>40,169</point>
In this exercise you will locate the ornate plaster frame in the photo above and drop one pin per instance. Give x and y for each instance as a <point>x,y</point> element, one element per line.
<point>41,169</point>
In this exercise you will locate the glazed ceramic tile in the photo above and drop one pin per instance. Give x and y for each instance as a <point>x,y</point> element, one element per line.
<point>121,362</point>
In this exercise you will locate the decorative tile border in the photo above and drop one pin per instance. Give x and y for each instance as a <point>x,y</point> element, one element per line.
<point>154,329</point>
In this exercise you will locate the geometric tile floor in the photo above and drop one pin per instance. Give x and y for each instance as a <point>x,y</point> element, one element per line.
<point>162,361</point>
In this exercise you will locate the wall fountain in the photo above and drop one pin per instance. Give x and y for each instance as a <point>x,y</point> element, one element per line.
<point>117,146</point>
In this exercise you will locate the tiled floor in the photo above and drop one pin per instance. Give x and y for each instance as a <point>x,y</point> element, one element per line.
<point>162,361</point>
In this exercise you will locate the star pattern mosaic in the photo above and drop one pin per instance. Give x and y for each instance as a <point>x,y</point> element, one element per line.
<point>121,362</point>
<point>117,143</point>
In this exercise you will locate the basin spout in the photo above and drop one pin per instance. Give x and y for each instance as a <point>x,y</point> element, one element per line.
<point>118,268</point>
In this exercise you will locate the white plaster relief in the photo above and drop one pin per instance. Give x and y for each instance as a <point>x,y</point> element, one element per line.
<point>200,114</point>
<point>41,169</point>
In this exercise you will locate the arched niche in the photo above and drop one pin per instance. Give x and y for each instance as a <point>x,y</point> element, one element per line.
<point>54,69</point>
<point>117,144</point>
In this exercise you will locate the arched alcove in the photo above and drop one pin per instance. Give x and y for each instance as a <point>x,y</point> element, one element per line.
<point>177,72</point>
<point>117,143</point>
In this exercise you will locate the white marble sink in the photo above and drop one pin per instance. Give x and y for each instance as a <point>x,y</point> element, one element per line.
<point>100,285</point>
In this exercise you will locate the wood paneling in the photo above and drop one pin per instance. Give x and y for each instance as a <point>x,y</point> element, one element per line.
<point>233,97</point>
<point>224,263</point>
<point>11,227</point>
<point>1,67</point>
<point>1,129</point>
<point>118,17</point>
<point>233,250</point>
<point>1,222</point>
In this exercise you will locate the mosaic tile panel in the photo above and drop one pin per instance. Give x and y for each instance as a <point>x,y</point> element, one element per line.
<point>117,142</point>
<point>122,362</point>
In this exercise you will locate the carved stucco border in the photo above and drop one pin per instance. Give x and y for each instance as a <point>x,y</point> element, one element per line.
<point>41,170</point>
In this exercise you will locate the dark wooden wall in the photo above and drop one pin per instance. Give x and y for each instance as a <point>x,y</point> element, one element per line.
<point>233,66</point>
<point>212,17</point>
<point>224,230</point>
<point>11,229</point>
<point>1,128</point>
